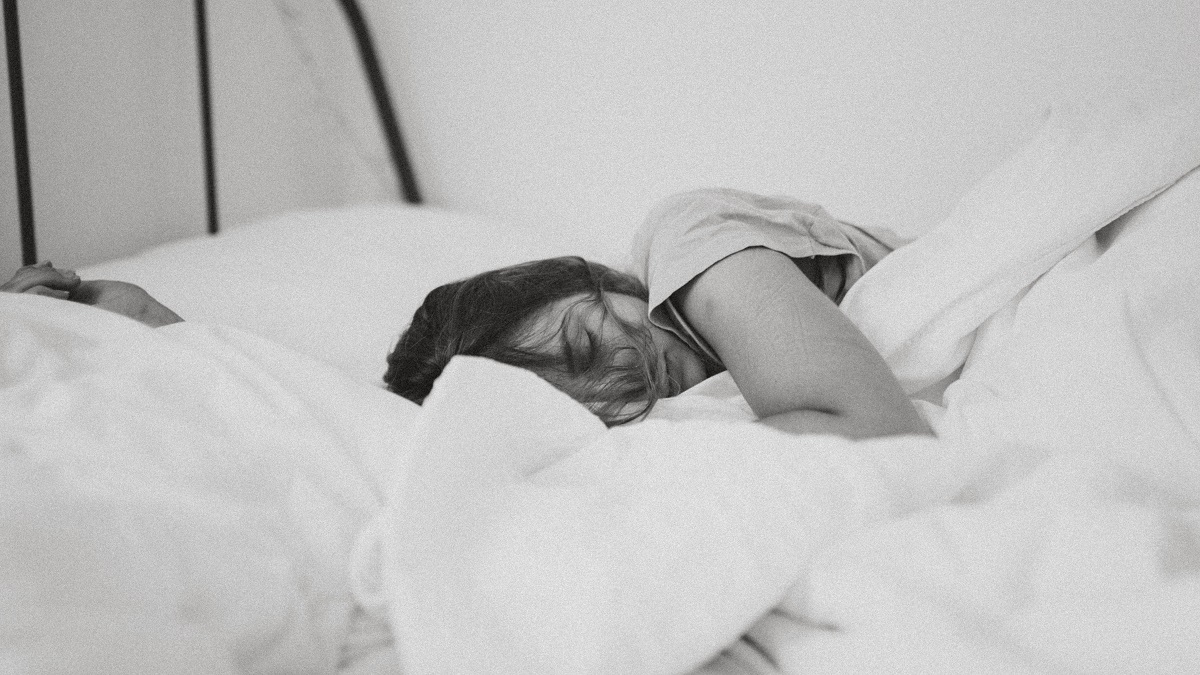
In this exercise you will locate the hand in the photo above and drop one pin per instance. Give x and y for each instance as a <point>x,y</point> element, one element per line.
<point>125,299</point>
<point>42,279</point>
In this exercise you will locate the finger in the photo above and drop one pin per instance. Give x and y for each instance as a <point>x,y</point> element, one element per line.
<point>49,292</point>
<point>60,278</point>
<point>40,275</point>
<point>70,278</point>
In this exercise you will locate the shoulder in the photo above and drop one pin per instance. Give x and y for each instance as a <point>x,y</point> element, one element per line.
<point>695,206</point>
<point>685,233</point>
<point>675,215</point>
<point>707,212</point>
<point>696,220</point>
<point>688,232</point>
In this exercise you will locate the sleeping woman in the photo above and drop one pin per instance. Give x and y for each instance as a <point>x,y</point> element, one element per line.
<point>732,281</point>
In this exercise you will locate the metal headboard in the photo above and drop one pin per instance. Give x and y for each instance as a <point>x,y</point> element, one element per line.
<point>372,69</point>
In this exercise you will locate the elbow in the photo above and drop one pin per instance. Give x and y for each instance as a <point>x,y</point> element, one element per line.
<point>852,424</point>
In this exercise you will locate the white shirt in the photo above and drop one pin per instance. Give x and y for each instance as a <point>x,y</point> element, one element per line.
<point>686,234</point>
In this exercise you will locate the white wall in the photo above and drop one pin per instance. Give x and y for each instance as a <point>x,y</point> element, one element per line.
<point>295,126</point>
<point>577,114</point>
<point>114,126</point>
<point>108,126</point>
<point>584,114</point>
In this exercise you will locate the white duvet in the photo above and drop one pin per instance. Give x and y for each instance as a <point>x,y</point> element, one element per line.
<point>197,499</point>
<point>1054,526</point>
<point>180,500</point>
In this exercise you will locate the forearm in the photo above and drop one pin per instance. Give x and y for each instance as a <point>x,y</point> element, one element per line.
<point>866,426</point>
<point>862,399</point>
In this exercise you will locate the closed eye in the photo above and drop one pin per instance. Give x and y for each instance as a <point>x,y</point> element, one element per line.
<point>591,349</point>
<point>580,348</point>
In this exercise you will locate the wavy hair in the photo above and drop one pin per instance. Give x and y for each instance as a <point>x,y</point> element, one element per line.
<point>495,315</point>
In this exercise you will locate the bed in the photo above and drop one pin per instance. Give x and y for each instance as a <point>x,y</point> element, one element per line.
<point>239,494</point>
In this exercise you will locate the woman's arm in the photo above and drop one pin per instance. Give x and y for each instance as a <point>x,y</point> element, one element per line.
<point>801,364</point>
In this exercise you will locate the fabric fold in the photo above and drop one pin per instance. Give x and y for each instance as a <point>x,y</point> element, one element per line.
<point>1089,164</point>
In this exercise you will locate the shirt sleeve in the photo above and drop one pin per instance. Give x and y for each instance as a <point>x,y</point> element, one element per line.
<point>686,234</point>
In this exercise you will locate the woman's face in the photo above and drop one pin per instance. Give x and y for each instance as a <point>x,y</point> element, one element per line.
<point>586,323</point>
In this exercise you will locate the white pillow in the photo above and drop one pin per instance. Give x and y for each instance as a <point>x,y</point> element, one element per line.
<point>339,284</point>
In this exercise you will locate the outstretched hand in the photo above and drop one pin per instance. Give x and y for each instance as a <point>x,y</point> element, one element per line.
<point>42,279</point>
<point>115,296</point>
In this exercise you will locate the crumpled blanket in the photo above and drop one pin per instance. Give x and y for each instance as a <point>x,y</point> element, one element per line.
<point>180,500</point>
<point>1053,525</point>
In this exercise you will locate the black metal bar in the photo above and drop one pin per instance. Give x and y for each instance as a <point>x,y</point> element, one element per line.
<point>16,97</point>
<point>206,117</point>
<point>383,101</point>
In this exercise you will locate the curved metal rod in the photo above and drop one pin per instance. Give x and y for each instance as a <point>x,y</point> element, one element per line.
<point>383,101</point>
<point>206,117</point>
<point>371,67</point>
<point>16,95</point>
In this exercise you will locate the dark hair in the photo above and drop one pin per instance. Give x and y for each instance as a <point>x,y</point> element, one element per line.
<point>489,315</point>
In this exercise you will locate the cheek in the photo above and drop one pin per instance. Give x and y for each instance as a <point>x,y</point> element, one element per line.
<point>676,349</point>
<point>665,340</point>
<point>668,346</point>
<point>696,372</point>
